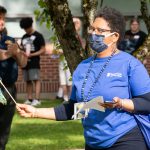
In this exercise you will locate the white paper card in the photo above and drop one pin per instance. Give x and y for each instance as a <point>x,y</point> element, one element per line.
<point>81,109</point>
<point>79,112</point>
<point>94,104</point>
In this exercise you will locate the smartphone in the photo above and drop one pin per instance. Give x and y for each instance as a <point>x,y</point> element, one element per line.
<point>109,102</point>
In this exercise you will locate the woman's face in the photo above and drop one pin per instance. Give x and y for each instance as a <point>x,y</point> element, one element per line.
<point>101,27</point>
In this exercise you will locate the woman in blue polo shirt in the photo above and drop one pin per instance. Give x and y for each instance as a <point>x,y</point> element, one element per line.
<point>113,74</point>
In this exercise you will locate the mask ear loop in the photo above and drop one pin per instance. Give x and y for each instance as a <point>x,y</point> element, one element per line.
<point>7,91</point>
<point>108,36</point>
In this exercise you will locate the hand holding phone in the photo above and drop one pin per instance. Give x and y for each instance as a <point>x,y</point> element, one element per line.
<point>108,104</point>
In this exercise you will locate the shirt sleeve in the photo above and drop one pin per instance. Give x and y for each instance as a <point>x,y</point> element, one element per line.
<point>139,80</point>
<point>73,93</point>
<point>142,104</point>
<point>10,38</point>
<point>41,40</point>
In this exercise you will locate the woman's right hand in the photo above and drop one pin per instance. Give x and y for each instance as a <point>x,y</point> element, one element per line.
<point>26,111</point>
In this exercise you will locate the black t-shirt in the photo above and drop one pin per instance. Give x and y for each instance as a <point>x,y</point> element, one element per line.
<point>132,41</point>
<point>33,42</point>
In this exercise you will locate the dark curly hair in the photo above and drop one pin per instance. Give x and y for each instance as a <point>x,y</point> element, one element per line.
<point>26,23</point>
<point>3,10</point>
<point>115,20</point>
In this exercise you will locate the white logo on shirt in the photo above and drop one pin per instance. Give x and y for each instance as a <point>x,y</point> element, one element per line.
<point>29,41</point>
<point>117,74</point>
<point>136,37</point>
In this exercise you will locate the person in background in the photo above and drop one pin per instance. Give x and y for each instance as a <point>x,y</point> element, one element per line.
<point>33,44</point>
<point>77,24</point>
<point>134,37</point>
<point>5,31</point>
<point>119,77</point>
<point>64,77</point>
<point>10,57</point>
<point>64,74</point>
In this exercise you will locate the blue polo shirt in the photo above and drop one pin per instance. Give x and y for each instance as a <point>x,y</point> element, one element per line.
<point>8,68</point>
<point>103,129</point>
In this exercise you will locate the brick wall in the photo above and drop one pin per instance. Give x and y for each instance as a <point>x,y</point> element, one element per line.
<point>49,76</point>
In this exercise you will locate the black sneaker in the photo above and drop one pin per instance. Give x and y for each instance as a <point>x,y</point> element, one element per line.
<point>59,98</point>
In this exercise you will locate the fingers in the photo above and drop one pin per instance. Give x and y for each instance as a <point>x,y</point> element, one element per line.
<point>22,109</point>
<point>105,105</point>
<point>118,102</point>
<point>18,108</point>
<point>8,42</point>
<point>24,114</point>
<point>116,99</point>
<point>13,48</point>
<point>21,106</point>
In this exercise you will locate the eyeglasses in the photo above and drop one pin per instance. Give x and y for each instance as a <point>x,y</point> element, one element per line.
<point>97,30</point>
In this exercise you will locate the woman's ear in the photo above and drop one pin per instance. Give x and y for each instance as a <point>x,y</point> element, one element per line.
<point>115,37</point>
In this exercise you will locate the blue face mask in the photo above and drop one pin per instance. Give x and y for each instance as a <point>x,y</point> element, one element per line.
<point>97,42</point>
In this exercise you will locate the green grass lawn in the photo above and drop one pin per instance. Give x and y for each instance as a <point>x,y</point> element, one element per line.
<point>40,134</point>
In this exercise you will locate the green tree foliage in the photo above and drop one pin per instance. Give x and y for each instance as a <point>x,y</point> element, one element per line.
<point>57,16</point>
<point>144,50</point>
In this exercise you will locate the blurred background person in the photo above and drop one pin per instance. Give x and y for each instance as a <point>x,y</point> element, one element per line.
<point>64,72</point>
<point>65,83</point>
<point>64,77</point>
<point>77,24</point>
<point>134,37</point>
<point>33,44</point>
<point>10,58</point>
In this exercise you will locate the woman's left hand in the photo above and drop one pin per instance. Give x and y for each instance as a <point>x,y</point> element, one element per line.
<point>118,102</point>
<point>125,104</point>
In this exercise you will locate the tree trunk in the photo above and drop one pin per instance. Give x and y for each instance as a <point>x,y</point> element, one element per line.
<point>145,14</point>
<point>89,10</point>
<point>144,50</point>
<point>61,18</point>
